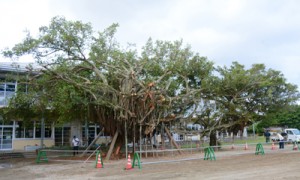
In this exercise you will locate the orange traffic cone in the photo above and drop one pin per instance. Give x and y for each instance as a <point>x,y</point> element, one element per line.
<point>99,163</point>
<point>232,147</point>
<point>129,165</point>
<point>273,146</point>
<point>246,146</point>
<point>295,147</point>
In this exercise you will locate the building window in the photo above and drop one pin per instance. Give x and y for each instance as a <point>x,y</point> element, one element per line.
<point>38,130</point>
<point>2,89</point>
<point>10,87</point>
<point>24,130</point>
<point>48,131</point>
<point>20,130</point>
<point>7,90</point>
<point>32,130</point>
<point>62,136</point>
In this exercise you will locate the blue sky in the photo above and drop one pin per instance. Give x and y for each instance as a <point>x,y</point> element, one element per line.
<point>247,31</point>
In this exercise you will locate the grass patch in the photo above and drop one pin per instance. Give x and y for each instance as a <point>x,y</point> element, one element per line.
<point>257,139</point>
<point>229,141</point>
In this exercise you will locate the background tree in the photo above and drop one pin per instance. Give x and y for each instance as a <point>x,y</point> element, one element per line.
<point>288,117</point>
<point>243,97</point>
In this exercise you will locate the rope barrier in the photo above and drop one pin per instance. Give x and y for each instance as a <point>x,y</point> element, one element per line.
<point>223,152</point>
<point>55,150</point>
<point>221,155</point>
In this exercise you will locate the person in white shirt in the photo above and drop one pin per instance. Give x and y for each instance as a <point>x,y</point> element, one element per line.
<point>281,141</point>
<point>75,143</point>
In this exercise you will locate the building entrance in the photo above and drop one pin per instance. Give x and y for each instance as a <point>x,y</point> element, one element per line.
<point>6,134</point>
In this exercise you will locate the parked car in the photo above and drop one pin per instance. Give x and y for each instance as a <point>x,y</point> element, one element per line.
<point>293,134</point>
<point>289,134</point>
<point>276,136</point>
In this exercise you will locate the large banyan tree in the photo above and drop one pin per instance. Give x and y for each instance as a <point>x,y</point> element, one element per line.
<point>87,74</point>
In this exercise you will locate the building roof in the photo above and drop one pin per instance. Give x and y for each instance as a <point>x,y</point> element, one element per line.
<point>13,67</point>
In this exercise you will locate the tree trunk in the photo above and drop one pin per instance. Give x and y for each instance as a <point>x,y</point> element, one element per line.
<point>118,148</point>
<point>146,146</point>
<point>213,139</point>
<point>172,140</point>
<point>162,135</point>
<point>112,145</point>
<point>133,147</point>
<point>140,141</point>
<point>151,144</point>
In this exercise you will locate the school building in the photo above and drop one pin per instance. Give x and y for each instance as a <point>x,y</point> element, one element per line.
<point>15,135</point>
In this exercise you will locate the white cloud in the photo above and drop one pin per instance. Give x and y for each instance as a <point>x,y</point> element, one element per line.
<point>256,31</point>
<point>17,16</point>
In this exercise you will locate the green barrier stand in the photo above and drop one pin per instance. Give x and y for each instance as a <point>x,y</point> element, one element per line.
<point>136,161</point>
<point>99,162</point>
<point>209,153</point>
<point>42,157</point>
<point>212,152</point>
<point>259,149</point>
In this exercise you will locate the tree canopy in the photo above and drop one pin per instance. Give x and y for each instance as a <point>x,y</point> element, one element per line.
<point>88,74</point>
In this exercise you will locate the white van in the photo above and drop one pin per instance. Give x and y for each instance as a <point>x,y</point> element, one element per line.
<point>292,134</point>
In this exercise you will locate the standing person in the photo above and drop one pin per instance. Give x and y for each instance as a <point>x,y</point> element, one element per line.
<point>75,143</point>
<point>284,135</point>
<point>281,141</point>
<point>267,135</point>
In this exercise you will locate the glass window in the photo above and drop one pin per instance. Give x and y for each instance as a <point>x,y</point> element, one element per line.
<point>92,132</point>
<point>6,138</point>
<point>83,132</point>
<point>66,135</point>
<point>38,129</point>
<point>10,87</point>
<point>2,87</point>
<point>29,130</point>
<point>62,136</point>
<point>58,136</point>
<point>24,130</point>
<point>48,131</point>
<point>20,130</point>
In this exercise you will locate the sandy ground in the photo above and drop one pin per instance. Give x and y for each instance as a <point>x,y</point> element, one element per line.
<point>229,164</point>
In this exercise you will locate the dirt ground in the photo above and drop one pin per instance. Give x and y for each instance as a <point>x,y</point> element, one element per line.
<point>230,164</point>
